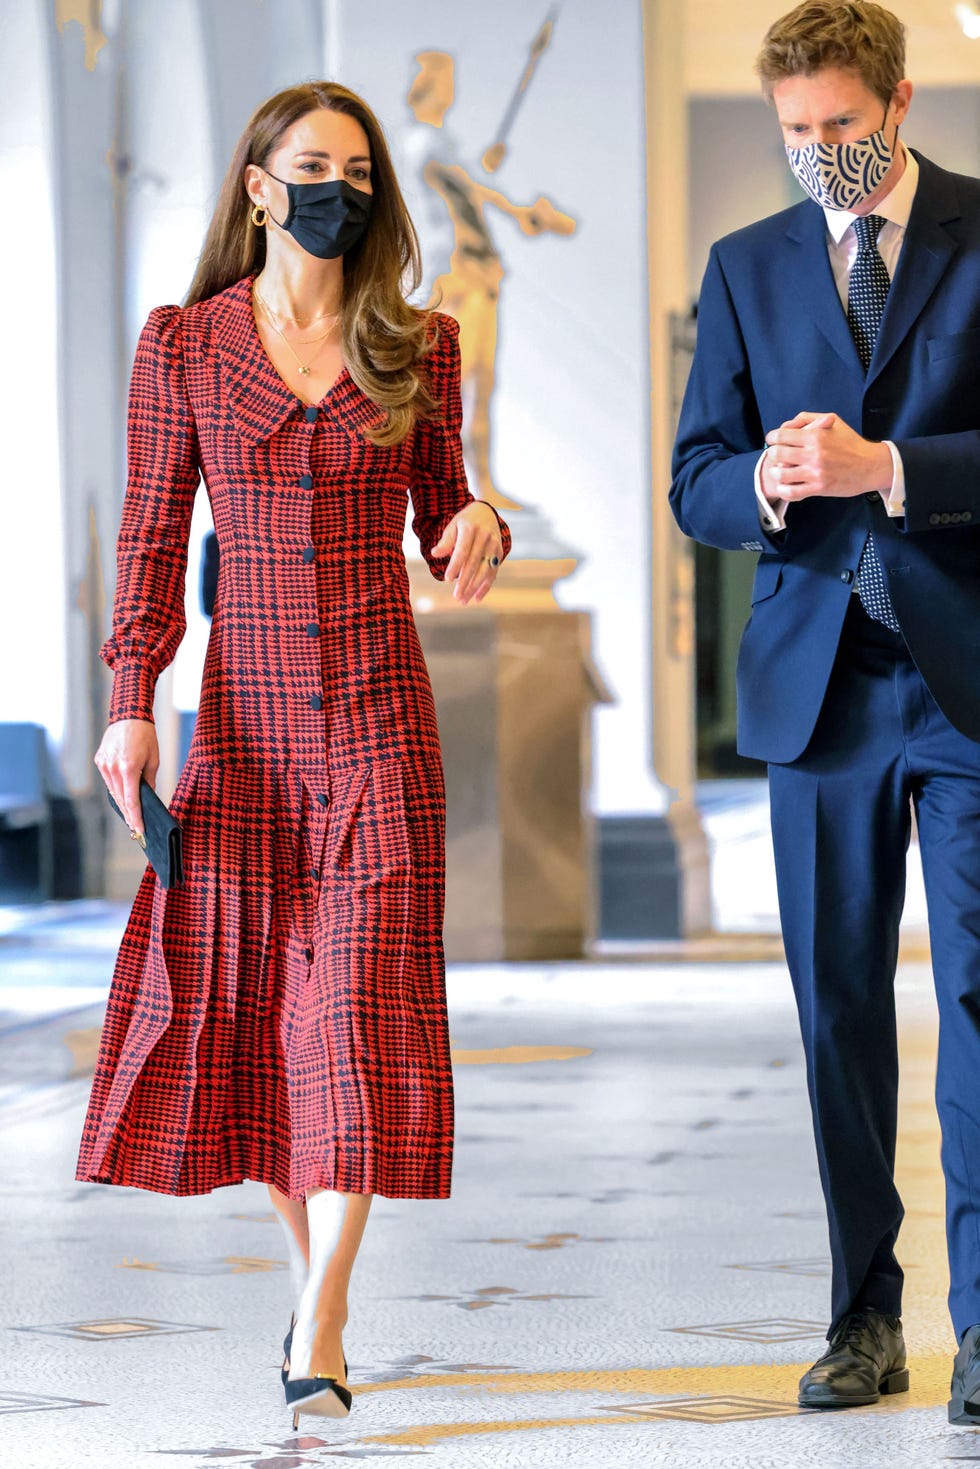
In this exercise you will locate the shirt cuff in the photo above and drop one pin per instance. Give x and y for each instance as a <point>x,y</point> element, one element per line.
<point>133,686</point>
<point>894,498</point>
<point>772,517</point>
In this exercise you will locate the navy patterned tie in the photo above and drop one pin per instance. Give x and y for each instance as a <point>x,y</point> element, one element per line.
<point>867,291</point>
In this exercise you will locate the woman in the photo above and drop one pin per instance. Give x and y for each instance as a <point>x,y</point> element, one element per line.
<point>281,1016</point>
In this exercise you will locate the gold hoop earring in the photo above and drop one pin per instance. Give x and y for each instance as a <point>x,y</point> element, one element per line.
<point>258,209</point>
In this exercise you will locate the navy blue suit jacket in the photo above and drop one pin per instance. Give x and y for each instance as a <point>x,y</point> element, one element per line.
<point>773,340</point>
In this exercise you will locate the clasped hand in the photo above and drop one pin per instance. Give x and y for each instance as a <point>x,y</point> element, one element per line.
<point>470,539</point>
<point>819,454</point>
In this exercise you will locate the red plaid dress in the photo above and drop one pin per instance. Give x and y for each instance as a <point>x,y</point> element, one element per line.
<point>282,1015</point>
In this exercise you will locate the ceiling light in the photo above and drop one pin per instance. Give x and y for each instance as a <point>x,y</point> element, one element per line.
<point>968,15</point>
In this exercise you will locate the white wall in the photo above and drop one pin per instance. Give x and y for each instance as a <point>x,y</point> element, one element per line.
<point>32,571</point>
<point>723,40</point>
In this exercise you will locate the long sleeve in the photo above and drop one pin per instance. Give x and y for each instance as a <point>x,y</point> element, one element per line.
<point>439,489</point>
<point>720,436</point>
<point>151,554</point>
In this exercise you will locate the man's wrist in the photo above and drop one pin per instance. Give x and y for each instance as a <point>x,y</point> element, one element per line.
<point>769,491</point>
<point>772,513</point>
<point>882,469</point>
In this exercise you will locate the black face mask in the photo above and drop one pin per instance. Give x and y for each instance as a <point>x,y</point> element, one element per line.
<point>326,219</point>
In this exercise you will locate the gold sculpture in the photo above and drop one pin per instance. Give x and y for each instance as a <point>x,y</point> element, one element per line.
<point>470,288</point>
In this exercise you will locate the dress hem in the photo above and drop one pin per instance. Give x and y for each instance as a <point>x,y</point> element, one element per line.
<point>188,1191</point>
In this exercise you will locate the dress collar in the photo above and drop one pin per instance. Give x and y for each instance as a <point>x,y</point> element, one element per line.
<point>260,400</point>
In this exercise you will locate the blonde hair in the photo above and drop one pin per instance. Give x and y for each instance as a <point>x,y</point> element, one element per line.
<point>385,338</point>
<point>860,37</point>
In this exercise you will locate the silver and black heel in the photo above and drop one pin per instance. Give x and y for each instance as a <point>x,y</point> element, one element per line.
<point>287,1348</point>
<point>319,1395</point>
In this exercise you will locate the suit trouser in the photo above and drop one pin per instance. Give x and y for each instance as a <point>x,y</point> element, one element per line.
<point>841,826</point>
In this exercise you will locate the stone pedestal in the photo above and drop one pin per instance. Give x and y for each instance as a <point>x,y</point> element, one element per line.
<point>514,691</point>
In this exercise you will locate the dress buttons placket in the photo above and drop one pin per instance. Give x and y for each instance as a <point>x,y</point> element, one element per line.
<point>308,553</point>
<point>319,827</point>
<point>311,860</point>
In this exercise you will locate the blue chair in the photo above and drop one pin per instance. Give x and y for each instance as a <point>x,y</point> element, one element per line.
<point>26,824</point>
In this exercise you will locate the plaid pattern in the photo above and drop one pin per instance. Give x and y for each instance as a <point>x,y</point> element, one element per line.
<point>282,1016</point>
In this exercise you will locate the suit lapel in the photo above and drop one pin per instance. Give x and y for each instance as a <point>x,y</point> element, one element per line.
<point>814,285</point>
<point>926,252</point>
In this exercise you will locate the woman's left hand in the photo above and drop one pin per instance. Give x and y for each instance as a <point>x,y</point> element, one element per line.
<point>472,542</point>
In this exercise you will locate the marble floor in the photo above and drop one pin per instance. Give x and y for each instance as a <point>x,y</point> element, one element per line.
<point>632,1269</point>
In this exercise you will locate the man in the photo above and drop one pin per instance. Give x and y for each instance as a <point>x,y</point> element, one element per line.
<point>832,423</point>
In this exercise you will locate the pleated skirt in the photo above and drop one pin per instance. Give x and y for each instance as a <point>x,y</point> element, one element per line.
<point>282,1015</point>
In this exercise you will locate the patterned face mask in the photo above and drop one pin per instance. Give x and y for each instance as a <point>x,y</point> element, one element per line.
<point>842,175</point>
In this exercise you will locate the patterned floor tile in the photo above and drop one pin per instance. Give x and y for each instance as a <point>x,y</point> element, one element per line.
<point>558,1241</point>
<point>493,1295</point>
<point>710,1410</point>
<point>31,1402</point>
<point>778,1329</point>
<point>227,1265</point>
<point>817,1268</point>
<point>114,1328</point>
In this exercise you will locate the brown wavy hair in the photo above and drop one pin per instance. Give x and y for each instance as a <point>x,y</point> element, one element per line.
<point>860,37</point>
<point>384,337</point>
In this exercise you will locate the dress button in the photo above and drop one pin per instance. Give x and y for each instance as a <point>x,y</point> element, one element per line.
<point>847,576</point>
<point>309,955</point>
<point>316,702</point>
<point>967,515</point>
<point>306,481</point>
<point>315,874</point>
<point>323,798</point>
<point>310,415</point>
<point>309,553</point>
<point>312,629</point>
<point>955,518</point>
<point>872,495</point>
<point>944,518</point>
<point>933,519</point>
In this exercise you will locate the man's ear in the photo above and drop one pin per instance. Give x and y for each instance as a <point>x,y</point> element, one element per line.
<point>901,98</point>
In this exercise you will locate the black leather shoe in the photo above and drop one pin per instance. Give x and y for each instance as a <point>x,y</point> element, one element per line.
<point>866,1357</point>
<point>964,1390</point>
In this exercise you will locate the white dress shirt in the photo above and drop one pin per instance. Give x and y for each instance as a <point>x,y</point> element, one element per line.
<point>842,247</point>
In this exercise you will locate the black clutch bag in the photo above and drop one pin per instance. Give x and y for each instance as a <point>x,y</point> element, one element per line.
<point>161,839</point>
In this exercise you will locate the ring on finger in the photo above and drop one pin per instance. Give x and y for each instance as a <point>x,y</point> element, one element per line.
<point>493,561</point>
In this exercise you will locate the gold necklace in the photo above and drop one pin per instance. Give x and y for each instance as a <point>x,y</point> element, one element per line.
<point>300,326</point>
<point>320,316</point>
<point>303,367</point>
<point>274,318</point>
